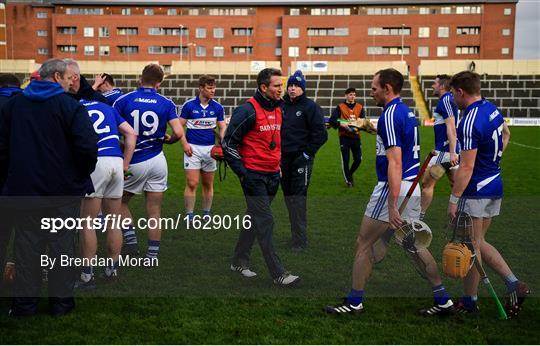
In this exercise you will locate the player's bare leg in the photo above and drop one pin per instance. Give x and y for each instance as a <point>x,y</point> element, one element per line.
<point>428,185</point>
<point>112,206</point>
<point>207,190</point>
<point>370,231</point>
<point>90,208</point>
<point>190,191</point>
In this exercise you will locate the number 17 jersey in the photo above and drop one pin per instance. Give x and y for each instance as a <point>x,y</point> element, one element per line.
<point>148,113</point>
<point>481,128</point>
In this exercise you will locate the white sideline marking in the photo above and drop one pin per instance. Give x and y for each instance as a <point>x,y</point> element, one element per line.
<point>524,145</point>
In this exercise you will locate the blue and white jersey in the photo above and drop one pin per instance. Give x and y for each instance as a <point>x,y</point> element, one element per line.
<point>481,128</point>
<point>397,126</point>
<point>446,107</point>
<point>148,113</point>
<point>201,120</point>
<point>113,95</point>
<point>106,121</point>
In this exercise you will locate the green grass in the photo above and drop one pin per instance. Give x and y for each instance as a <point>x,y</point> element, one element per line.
<point>193,298</point>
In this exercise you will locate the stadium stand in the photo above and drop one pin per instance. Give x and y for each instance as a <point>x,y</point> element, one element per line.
<point>515,95</point>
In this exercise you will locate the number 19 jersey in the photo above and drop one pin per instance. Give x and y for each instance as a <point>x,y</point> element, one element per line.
<point>397,126</point>
<point>148,113</point>
<point>481,128</point>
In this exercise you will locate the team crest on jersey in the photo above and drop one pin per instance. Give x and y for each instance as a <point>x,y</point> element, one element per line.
<point>299,113</point>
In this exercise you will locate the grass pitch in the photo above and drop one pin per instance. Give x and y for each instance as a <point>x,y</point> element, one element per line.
<point>192,297</point>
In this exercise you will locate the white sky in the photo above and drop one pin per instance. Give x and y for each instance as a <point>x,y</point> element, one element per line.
<point>527,37</point>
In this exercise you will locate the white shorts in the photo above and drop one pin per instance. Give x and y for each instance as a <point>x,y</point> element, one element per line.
<point>149,175</point>
<point>108,177</point>
<point>377,207</point>
<point>200,159</point>
<point>480,207</point>
<point>440,158</point>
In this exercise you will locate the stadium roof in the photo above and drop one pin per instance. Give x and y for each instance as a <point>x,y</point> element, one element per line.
<point>271,3</point>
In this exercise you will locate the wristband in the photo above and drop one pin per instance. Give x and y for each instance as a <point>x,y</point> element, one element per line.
<point>454,199</point>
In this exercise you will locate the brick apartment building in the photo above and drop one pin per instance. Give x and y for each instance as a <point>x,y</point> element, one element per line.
<point>362,30</point>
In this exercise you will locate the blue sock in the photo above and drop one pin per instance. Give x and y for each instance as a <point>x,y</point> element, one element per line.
<point>87,270</point>
<point>440,295</point>
<point>189,215</point>
<point>153,249</point>
<point>130,238</point>
<point>511,282</point>
<point>355,297</point>
<point>469,301</point>
<point>206,212</point>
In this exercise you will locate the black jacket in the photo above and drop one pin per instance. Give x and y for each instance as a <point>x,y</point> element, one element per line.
<point>242,121</point>
<point>87,93</point>
<point>303,128</point>
<point>48,146</point>
<point>6,93</point>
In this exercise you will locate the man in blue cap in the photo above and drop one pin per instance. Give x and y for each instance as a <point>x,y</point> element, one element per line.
<point>302,134</point>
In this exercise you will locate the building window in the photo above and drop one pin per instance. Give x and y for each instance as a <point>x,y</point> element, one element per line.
<point>103,31</point>
<point>468,30</point>
<point>443,31</point>
<point>219,33</point>
<point>389,31</point>
<point>42,33</point>
<point>294,33</point>
<point>126,11</point>
<point>277,51</point>
<point>200,51</point>
<point>442,51</point>
<point>424,10</point>
<point>127,31</point>
<point>88,50</point>
<point>506,32</point>
<point>84,11</point>
<point>200,32</point>
<point>67,30</point>
<point>294,52</point>
<point>171,12</point>
<point>446,10</point>
<point>104,50</point>
<point>228,11</point>
<point>155,50</point>
<point>242,50</point>
<point>242,31</point>
<point>327,50</point>
<point>148,11</point>
<point>279,32</point>
<point>328,31</point>
<point>463,50</point>
<point>390,50</point>
<point>193,12</point>
<point>505,50</point>
<point>88,32</point>
<point>294,12</point>
<point>423,51</point>
<point>219,51</point>
<point>468,10</point>
<point>382,11</point>
<point>423,32</point>
<point>128,49</point>
<point>507,12</point>
<point>41,15</point>
<point>65,48</point>
<point>330,11</point>
<point>43,51</point>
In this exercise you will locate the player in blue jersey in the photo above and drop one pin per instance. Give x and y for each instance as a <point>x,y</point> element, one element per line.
<point>446,160</point>
<point>397,164</point>
<point>478,187</point>
<point>104,83</point>
<point>108,181</point>
<point>148,113</point>
<point>202,114</point>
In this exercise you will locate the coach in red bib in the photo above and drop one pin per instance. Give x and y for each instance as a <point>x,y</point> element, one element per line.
<point>252,148</point>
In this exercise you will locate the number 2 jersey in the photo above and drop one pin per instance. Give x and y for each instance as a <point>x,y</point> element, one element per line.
<point>481,127</point>
<point>148,113</point>
<point>397,126</point>
<point>106,121</point>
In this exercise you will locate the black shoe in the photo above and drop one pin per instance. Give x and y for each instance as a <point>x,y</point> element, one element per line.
<point>514,300</point>
<point>85,285</point>
<point>461,308</point>
<point>130,250</point>
<point>439,310</point>
<point>349,184</point>
<point>109,279</point>
<point>344,308</point>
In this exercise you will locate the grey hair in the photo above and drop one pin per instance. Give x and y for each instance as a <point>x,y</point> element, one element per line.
<point>51,66</point>
<point>71,62</point>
